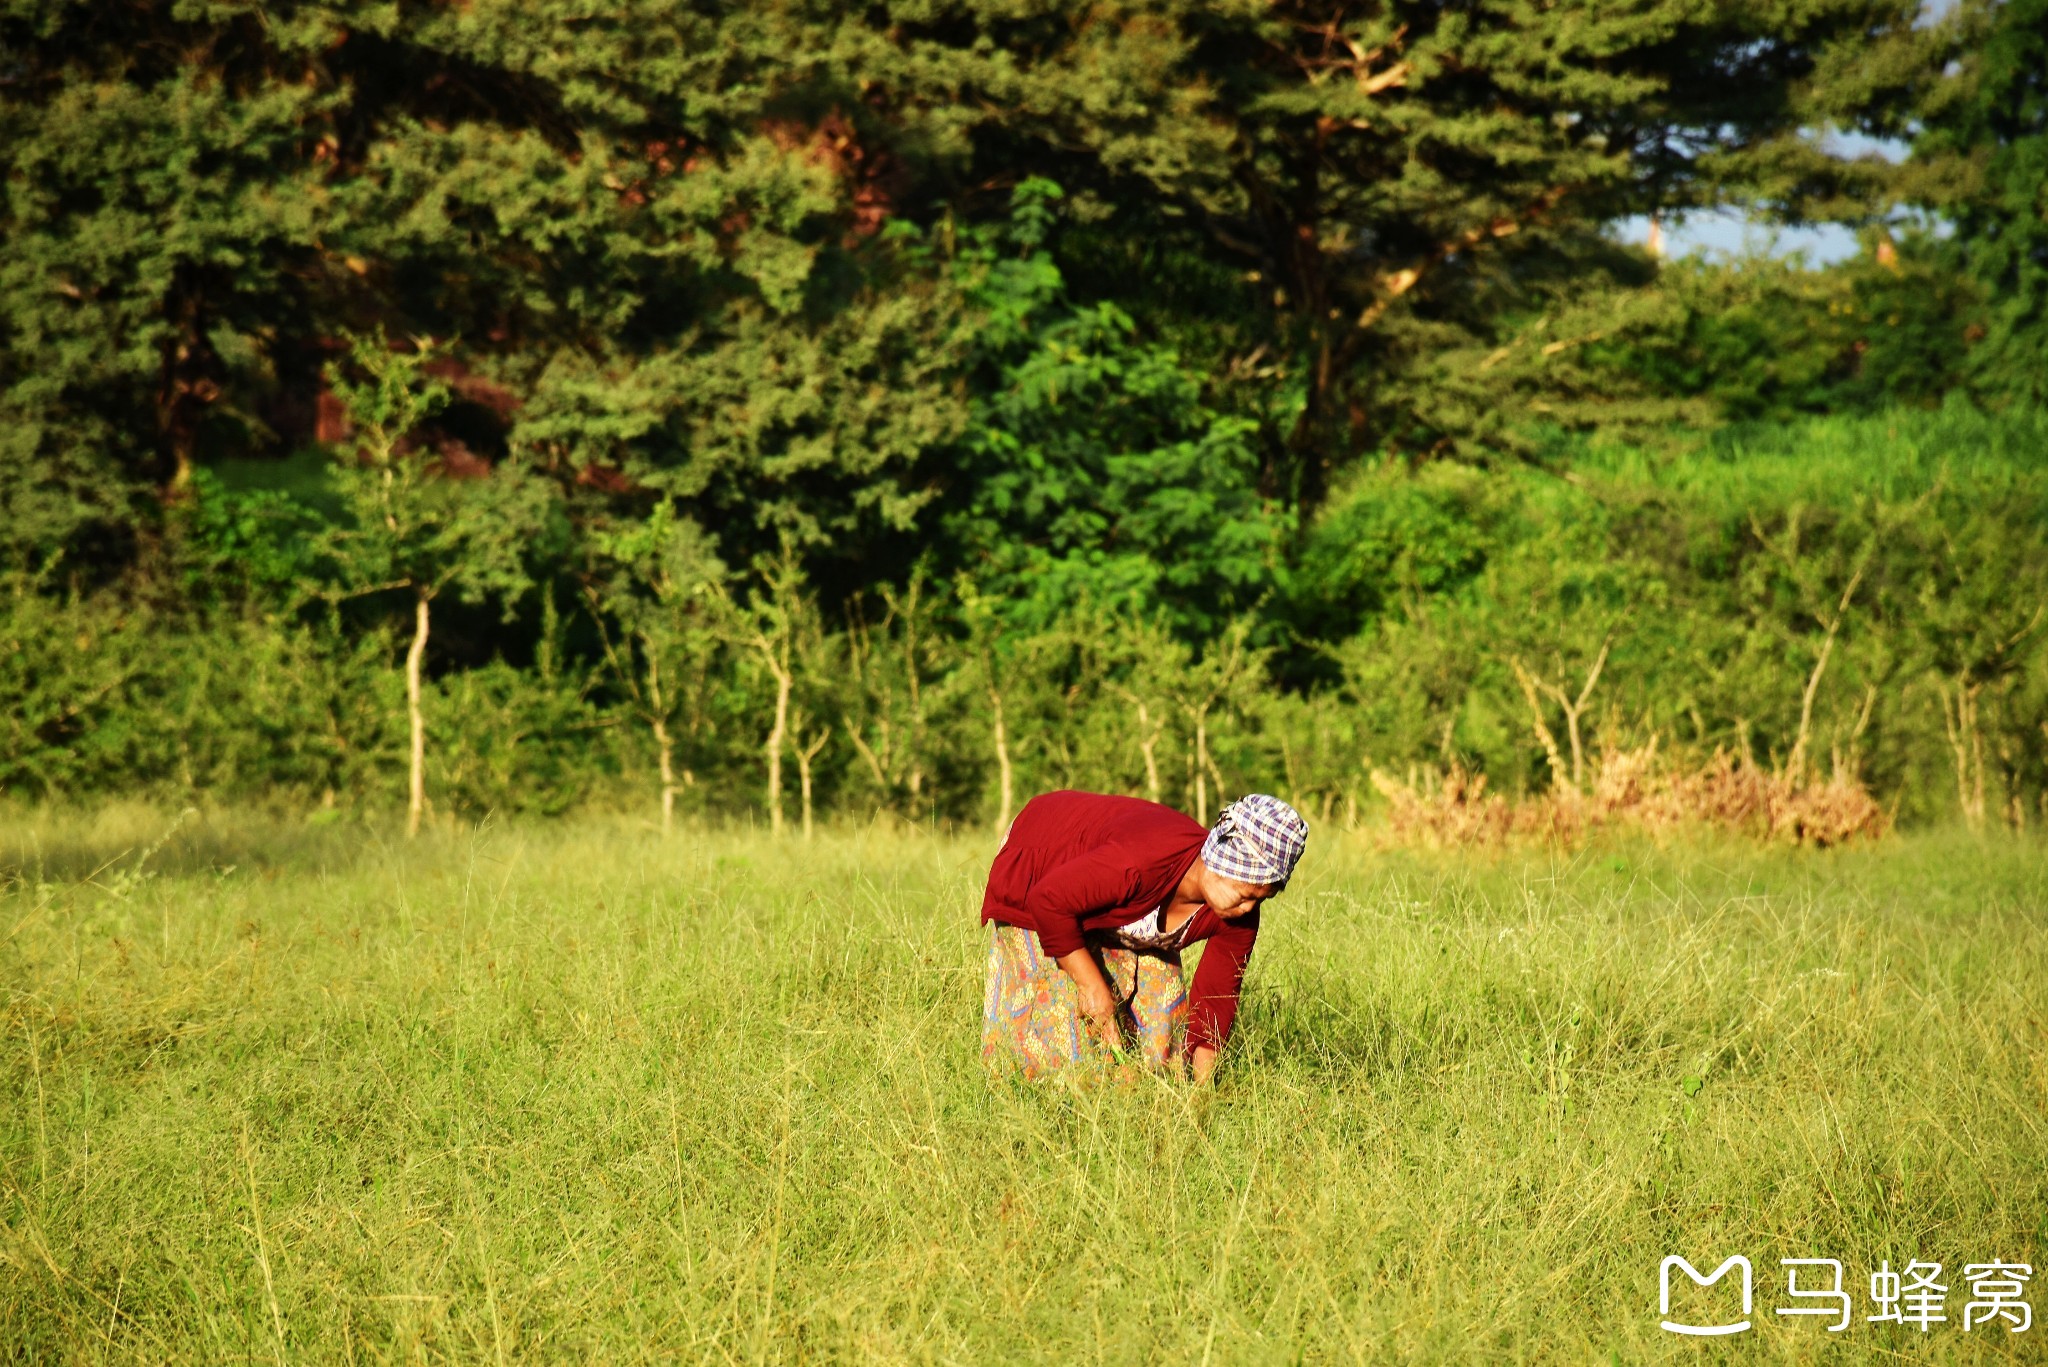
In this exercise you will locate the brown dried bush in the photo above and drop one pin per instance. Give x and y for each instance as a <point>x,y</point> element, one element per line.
<point>1642,789</point>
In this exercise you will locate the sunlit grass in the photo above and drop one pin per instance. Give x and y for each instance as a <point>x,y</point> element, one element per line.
<point>1838,458</point>
<point>290,1093</point>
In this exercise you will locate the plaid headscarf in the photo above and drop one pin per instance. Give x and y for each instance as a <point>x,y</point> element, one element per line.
<point>1257,839</point>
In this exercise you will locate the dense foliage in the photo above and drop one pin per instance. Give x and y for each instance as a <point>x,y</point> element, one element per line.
<point>1892,566</point>
<point>1993,121</point>
<point>909,406</point>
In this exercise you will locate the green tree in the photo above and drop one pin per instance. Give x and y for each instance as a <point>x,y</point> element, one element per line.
<point>892,665</point>
<point>407,527</point>
<point>1092,463</point>
<point>163,216</point>
<point>1986,137</point>
<point>1150,676</point>
<point>1763,337</point>
<point>655,230</point>
<point>646,241</point>
<point>1402,207</point>
<point>1976,626</point>
<point>778,628</point>
<point>1213,690</point>
<point>653,588</point>
<point>1006,667</point>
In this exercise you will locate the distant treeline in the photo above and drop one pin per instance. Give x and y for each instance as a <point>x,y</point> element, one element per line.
<point>505,406</point>
<point>1837,596</point>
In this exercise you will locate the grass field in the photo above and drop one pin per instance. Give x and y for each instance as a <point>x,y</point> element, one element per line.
<point>573,1093</point>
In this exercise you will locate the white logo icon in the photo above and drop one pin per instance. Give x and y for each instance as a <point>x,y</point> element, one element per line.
<point>1664,1293</point>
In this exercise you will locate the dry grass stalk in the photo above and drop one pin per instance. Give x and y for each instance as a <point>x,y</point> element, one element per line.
<point>1639,789</point>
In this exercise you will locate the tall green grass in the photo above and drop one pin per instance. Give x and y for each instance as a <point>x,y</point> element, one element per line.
<point>571,1092</point>
<point>1895,454</point>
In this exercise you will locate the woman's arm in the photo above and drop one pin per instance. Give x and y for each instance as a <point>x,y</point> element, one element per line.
<point>1058,903</point>
<point>1097,1002</point>
<point>1212,998</point>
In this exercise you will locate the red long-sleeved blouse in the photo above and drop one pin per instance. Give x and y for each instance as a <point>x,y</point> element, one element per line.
<point>1078,862</point>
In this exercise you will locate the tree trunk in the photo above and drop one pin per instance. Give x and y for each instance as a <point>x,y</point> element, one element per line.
<point>416,804</point>
<point>806,748</point>
<point>1004,776</point>
<point>1202,766</point>
<point>917,737</point>
<point>803,778</point>
<point>1558,778</point>
<point>664,745</point>
<point>1149,747</point>
<point>776,738</point>
<point>1221,786</point>
<point>665,749</point>
<point>190,378</point>
<point>1967,741</point>
<point>1574,709</point>
<point>875,763</point>
<point>1795,764</point>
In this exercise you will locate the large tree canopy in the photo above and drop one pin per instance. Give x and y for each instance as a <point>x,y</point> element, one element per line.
<point>1401,208</point>
<point>650,235</point>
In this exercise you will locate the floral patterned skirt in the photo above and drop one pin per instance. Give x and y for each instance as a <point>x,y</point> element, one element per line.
<point>1031,1016</point>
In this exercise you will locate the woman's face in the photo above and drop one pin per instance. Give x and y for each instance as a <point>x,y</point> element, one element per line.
<point>1231,899</point>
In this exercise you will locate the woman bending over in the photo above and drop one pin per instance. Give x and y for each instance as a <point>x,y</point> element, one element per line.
<point>1091,902</point>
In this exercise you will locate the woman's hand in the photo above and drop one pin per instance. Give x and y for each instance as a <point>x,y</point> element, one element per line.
<point>1203,1063</point>
<point>1096,1001</point>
